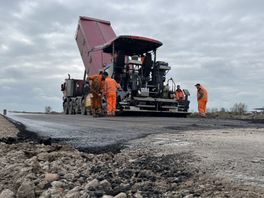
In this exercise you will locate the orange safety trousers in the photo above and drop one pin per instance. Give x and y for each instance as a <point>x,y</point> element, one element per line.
<point>96,102</point>
<point>111,103</point>
<point>202,106</point>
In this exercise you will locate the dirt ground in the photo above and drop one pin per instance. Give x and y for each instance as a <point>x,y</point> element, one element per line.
<point>202,163</point>
<point>234,156</point>
<point>7,129</point>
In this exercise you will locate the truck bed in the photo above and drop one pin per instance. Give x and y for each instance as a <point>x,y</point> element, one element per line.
<point>91,33</point>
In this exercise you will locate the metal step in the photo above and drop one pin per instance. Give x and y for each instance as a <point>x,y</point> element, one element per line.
<point>146,106</point>
<point>169,107</point>
<point>146,99</point>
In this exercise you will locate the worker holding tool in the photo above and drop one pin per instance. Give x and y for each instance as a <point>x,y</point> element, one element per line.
<point>110,88</point>
<point>96,89</point>
<point>179,95</point>
<point>202,98</point>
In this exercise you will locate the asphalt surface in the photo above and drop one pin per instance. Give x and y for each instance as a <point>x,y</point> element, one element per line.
<point>87,133</point>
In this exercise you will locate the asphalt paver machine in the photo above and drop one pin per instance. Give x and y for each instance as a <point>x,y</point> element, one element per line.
<point>132,62</point>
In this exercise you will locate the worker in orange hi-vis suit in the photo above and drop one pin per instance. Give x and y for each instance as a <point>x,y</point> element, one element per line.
<point>202,98</point>
<point>96,89</point>
<point>179,95</point>
<point>110,88</point>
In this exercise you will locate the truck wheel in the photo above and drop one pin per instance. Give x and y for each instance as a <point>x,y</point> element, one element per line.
<point>76,109</point>
<point>71,108</point>
<point>66,107</point>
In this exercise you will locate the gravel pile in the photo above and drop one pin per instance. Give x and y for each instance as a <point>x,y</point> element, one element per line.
<point>31,170</point>
<point>34,170</point>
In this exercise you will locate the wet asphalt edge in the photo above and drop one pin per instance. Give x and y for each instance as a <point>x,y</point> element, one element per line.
<point>26,136</point>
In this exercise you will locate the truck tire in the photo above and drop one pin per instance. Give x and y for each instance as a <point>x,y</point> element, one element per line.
<point>76,109</point>
<point>66,107</point>
<point>71,107</point>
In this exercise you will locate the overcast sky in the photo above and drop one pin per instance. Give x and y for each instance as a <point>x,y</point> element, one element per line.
<point>217,43</point>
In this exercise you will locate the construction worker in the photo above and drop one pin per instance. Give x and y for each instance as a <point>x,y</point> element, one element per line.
<point>179,95</point>
<point>202,98</point>
<point>110,87</point>
<point>96,90</point>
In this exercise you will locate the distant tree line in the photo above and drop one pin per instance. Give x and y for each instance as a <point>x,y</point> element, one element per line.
<point>238,108</point>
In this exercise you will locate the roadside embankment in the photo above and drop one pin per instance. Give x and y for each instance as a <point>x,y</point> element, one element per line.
<point>7,129</point>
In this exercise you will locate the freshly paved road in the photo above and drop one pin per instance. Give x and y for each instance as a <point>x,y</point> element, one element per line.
<point>87,132</point>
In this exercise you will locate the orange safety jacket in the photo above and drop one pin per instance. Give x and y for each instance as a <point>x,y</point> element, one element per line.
<point>97,83</point>
<point>179,94</point>
<point>110,86</point>
<point>202,94</point>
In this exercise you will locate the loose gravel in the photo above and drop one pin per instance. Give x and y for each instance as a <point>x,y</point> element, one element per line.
<point>158,165</point>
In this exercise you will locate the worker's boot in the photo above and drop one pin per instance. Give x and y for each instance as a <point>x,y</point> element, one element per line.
<point>109,114</point>
<point>202,115</point>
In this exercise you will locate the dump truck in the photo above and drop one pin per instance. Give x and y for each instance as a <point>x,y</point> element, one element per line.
<point>132,62</point>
